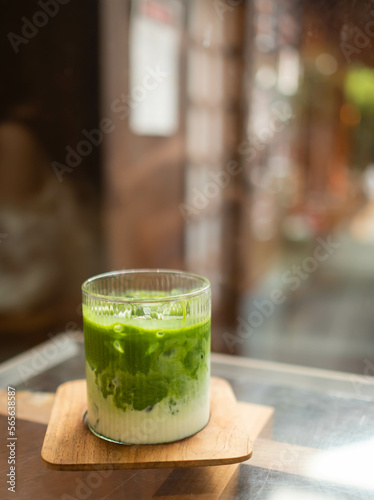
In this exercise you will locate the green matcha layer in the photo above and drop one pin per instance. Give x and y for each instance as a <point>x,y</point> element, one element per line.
<point>144,371</point>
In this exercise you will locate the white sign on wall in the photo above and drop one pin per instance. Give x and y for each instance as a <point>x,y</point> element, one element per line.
<point>155,37</point>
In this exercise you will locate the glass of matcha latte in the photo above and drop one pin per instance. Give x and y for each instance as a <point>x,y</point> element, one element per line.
<point>147,344</point>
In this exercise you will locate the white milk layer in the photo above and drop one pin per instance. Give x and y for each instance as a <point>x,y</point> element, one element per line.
<point>146,427</point>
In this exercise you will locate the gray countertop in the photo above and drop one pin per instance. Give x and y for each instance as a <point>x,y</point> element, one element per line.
<point>320,445</point>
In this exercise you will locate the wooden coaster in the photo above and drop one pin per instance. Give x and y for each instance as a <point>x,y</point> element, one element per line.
<point>70,445</point>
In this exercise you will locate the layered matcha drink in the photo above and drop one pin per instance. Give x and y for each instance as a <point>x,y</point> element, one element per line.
<point>147,357</point>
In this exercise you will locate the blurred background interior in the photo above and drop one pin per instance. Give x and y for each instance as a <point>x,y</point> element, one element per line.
<point>230,138</point>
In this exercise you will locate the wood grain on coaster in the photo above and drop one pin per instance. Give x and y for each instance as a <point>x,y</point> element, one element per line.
<point>70,445</point>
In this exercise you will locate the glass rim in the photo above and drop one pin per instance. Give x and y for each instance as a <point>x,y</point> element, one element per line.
<point>169,298</point>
